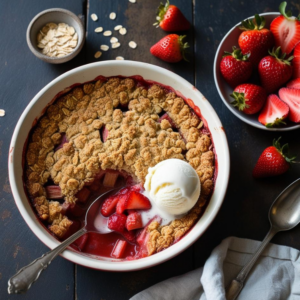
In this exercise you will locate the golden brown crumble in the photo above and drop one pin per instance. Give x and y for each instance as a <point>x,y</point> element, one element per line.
<point>135,142</point>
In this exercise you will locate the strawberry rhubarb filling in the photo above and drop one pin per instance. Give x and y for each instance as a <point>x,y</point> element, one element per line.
<point>125,133</point>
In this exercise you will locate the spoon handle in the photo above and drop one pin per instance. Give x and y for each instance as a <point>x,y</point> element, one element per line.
<point>237,284</point>
<point>25,277</point>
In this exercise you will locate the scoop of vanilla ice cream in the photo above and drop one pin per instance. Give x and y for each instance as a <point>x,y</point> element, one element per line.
<point>173,186</point>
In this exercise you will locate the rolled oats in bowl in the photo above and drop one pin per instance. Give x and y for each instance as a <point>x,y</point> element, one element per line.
<point>57,40</point>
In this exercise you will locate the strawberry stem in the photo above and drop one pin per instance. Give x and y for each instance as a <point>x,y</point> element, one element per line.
<point>284,151</point>
<point>257,23</point>
<point>239,100</point>
<point>183,46</point>
<point>281,56</point>
<point>277,122</point>
<point>237,54</point>
<point>161,11</point>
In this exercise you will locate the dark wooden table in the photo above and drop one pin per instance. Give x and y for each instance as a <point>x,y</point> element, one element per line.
<point>22,75</point>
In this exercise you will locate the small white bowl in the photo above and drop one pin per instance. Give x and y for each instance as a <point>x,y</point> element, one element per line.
<point>54,15</point>
<point>229,40</point>
<point>114,68</point>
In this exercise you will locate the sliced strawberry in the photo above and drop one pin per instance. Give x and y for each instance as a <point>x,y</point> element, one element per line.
<point>137,201</point>
<point>104,134</point>
<point>122,203</point>
<point>166,117</point>
<point>274,112</point>
<point>117,222</point>
<point>292,98</point>
<point>286,30</point>
<point>81,242</point>
<point>296,62</point>
<point>109,205</point>
<point>119,249</point>
<point>83,195</point>
<point>53,192</point>
<point>110,179</point>
<point>129,236</point>
<point>294,84</point>
<point>134,221</point>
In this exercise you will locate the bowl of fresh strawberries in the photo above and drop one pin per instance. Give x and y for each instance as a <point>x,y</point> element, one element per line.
<point>257,70</point>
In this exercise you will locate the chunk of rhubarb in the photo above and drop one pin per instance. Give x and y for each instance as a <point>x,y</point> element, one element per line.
<point>109,205</point>
<point>72,209</point>
<point>83,195</point>
<point>95,186</point>
<point>53,192</point>
<point>167,117</point>
<point>119,249</point>
<point>104,134</point>
<point>62,142</point>
<point>110,179</point>
<point>81,242</point>
<point>134,221</point>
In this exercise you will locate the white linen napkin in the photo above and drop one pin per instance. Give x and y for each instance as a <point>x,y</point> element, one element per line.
<point>276,275</point>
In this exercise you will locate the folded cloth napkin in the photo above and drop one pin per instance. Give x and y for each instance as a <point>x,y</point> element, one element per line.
<point>276,275</point>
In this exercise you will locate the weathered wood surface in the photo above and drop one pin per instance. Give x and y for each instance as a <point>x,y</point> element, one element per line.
<point>244,212</point>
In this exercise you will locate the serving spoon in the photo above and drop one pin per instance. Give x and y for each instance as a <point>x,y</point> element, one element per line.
<point>284,214</point>
<point>94,222</point>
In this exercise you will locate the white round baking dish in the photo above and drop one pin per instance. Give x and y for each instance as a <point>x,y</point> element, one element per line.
<point>114,68</point>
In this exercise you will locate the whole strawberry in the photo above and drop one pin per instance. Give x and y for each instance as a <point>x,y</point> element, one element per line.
<point>235,67</point>
<point>170,18</point>
<point>255,40</point>
<point>274,70</point>
<point>249,98</point>
<point>273,161</point>
<point>170,48</point>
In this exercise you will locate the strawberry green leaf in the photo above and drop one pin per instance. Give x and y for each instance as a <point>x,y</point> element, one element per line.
<point>284,151</point>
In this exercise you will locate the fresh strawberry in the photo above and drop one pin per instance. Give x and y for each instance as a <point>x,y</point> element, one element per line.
<point>249,98</point>
<point>170,48</point>
<point>292,98</point>
<point>137,201</point>
<point>294,84</point>
<point>117,222</point>
<point>273,161</point>
<point>274,70</point>
<point>274,112</point>
<point>134,221</point>
<point>296,62</point>
<point>170,18</point>
<point>235,67</point>
<point>119,249</point>
<point>286,30</point>
<point>109,205</point>
<point>255,40</point>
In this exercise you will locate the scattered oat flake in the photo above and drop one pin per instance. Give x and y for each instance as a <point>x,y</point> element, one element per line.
<point>132,44</point>
<point>104,47</point>
<point>132,1</point>
<point>107,33</point>
<point>112,15</point>
<point>99,29</point>
<point>94,17</point>
<point>113,40</point>
<point>118,27</point>
<point>115,45</point>
<point>2,112</point>
<point>123,31</point>
<point>98,54</point>
<point>119,58</point>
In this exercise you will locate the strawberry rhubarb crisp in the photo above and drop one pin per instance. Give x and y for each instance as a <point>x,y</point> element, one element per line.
<point>115,132</point>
